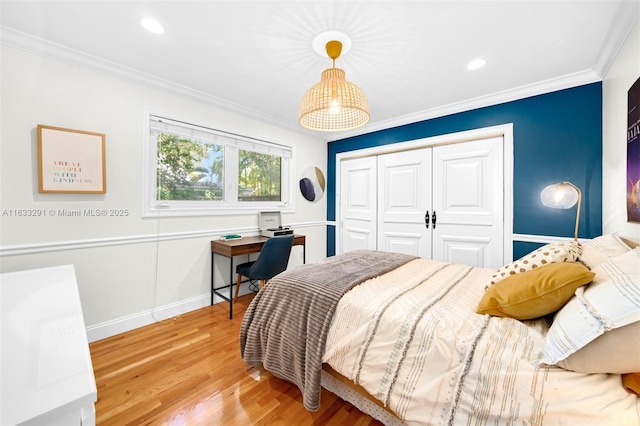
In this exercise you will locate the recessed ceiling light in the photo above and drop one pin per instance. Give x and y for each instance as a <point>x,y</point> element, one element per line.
<point>152,25</point>
<point>476,64</point>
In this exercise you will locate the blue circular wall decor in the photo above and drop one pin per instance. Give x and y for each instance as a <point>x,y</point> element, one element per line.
<point>312,184</point>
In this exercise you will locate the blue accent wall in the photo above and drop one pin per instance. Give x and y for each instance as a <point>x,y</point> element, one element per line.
<point>557,137</point>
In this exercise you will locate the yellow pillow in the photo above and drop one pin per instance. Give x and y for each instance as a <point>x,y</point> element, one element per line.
<point>631,383</point>
<point>536,292</point>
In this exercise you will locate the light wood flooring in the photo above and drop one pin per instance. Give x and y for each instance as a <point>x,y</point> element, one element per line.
<point>188,371</point>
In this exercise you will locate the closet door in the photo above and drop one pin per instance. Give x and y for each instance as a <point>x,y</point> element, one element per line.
<point>404,197</point>
<point>468,203</point>
<point>358,195</point>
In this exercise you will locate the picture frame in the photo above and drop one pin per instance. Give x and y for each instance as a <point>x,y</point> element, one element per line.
<point>71,161</point>
<point>633,153</point>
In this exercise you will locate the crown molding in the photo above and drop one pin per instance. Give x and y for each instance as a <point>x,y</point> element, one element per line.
<point>627,16</point>
<point>547,86</point>
<point>628,13</point>
<point>39,46</point>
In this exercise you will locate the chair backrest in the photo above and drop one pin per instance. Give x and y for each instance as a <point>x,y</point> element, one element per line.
<point>273,258</point>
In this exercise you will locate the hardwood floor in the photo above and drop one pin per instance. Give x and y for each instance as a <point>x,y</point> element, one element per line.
<point>188,371</point>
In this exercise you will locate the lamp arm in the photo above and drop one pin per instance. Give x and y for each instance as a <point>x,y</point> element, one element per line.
<point>575,234</point>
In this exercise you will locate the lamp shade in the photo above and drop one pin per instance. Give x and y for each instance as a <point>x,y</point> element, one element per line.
<point>333,104</point>
<point>562,195</point>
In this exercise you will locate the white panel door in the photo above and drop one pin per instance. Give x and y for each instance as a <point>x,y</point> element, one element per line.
<point>404,197</point>
<point>468,203</point>
<point>358,195</point>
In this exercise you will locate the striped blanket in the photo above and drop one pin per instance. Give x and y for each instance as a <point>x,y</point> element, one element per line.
<point>286,324</point>
<point>412,339</point>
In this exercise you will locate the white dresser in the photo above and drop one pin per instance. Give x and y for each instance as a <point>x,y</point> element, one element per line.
<point>46,371</point>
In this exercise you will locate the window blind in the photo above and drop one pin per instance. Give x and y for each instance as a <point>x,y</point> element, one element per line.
<point>159,124</point>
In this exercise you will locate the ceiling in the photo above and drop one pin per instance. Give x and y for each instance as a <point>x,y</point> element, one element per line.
<point>409,57</point>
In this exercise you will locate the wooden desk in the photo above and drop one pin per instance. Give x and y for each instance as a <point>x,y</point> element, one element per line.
<point>245,245</point>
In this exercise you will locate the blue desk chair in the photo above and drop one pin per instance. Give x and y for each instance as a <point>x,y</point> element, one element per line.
<point>272,260</point>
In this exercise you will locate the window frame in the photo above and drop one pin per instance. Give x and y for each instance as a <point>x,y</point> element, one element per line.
<point>230,205</point>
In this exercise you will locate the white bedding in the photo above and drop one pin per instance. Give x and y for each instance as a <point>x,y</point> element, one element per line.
<point>412,339</point>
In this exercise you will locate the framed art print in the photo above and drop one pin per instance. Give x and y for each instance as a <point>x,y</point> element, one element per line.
<point>633,153</point>
<point>71,161</point>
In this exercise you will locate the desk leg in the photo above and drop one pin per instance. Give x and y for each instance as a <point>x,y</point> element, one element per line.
<point>304,253</point>
<point>213,285</point>
<point>230,287</point>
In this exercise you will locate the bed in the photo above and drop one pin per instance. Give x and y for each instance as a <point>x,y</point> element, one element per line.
<point>422,342</point>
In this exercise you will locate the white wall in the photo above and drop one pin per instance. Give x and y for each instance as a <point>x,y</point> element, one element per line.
<point>126,277</point>
<point>624,71</point>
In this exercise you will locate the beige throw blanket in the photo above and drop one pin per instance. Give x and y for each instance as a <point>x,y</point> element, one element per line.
<point>285,327</point>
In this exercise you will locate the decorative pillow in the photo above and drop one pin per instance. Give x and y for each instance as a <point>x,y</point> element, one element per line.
<point>610,302</point>
<point>535,293</point>
<point>631,383</point>
<point>615,352</point>
<point>601,249</point>
<point>550,253</point>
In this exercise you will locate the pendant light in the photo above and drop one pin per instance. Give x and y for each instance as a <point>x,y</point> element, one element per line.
<point>333,104</point>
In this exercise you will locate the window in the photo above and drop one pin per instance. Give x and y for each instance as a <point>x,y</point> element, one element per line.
<point>195,170</point>
<point>259,176</point>
<point>188,169</point>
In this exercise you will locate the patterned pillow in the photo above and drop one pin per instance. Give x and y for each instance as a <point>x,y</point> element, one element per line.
<point>601,249</point>
<point>550,253</point>
<point>610,302</point>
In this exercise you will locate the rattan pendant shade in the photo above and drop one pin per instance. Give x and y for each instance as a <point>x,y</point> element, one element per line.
<point>334,103</point>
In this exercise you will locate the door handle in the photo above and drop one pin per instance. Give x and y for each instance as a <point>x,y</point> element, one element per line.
<point>433,219</point>
<point>426,219</point>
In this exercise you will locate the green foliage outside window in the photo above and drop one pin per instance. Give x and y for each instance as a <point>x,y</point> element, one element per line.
<point>188,170</point>
<point>259,176</point>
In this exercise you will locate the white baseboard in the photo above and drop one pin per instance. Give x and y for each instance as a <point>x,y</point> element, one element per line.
<point>161,313</point>
<point>131,322</point>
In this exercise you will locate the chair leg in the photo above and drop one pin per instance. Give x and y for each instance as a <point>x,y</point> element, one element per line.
<point>235,299</point>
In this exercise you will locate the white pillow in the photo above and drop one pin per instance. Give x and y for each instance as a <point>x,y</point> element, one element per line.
<point>551,253</point>
<point>601,249</point>
<point>615,352</point>
<point>610,302</point>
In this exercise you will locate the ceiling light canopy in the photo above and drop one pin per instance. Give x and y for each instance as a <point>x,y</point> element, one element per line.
<point>334,103</point>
